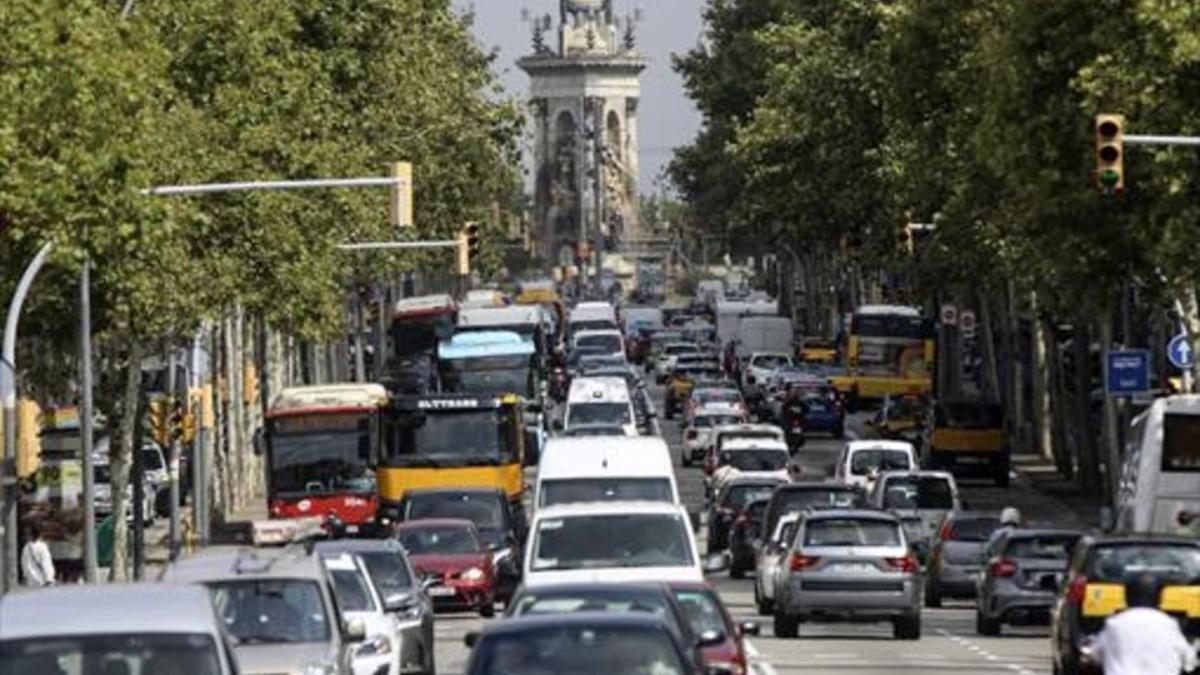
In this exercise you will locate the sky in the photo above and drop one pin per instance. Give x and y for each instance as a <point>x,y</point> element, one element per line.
<point>668,118</point>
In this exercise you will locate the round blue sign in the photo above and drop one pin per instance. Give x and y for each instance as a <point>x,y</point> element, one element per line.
<point>1180,352</point>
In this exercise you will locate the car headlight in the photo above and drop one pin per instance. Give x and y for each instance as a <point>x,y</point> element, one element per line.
<point>319,668</point>
<point>376,646</point>
<point>473,574</point>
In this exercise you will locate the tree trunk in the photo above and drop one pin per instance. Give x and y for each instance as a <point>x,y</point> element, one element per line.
<point>120,453</point>
<point>1044,438</point>
<point>1189,310</point>
<point>1085,438</point>
<point>991,376</point>
<point>1063,456</point>
<point>1111,434</point>
<point>1016,364</point>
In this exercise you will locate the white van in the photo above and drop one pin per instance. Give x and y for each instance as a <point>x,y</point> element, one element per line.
<point>605,469</point>
<point>600,400</point>
<point>730,315</point>
<point>611,341</point>
<point>592,316</point>
<point>765,334</point>
<point>1159,490</point>
<point>860,460</point>
<point>612,542</point>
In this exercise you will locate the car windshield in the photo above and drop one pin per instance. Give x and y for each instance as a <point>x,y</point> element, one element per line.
<point>146,653</point>
<point>439,541</point>
<point>710,421</point>
<point>851,532</point>
<point>270,611</point>
<point>769,361</point>
<point>605,490</point>
<point>152,459</point>
<point>1178,563</point>
<point>388,571</point>
<point>572,650</point>
<point>580,542</point>
<point>738,496</point>
<point>610,343</point>
<point>1041,547</point>
<point>599,413</point>
<point>703,611</point>
<point>350,589</point>
<point>862,462</point>
<point>486,511</point>
<point>756,460</point>
<point>923,492</point>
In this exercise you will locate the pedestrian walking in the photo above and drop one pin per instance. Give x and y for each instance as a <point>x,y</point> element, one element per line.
<point>36,564</point>
<point>1143,640</point>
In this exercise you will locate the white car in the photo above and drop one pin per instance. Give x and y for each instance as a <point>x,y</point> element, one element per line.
<point>770,558</point>
<point>751,458</point>
<point>670,356</point>
<point>698,436</point>
<point>612,541</point>
<point>611,341</point>
<point>357,598</point>
<point>600,400</point>
<point>758,368</point>
<point>861,461</point>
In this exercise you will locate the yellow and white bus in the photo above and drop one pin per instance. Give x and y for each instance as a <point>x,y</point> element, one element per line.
<point>889,351</point>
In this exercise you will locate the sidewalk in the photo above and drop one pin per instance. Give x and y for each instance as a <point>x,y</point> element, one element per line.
<point>1042,477</point>
<point>235,530</point>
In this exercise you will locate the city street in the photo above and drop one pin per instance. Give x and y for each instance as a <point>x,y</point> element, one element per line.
<point>948,645</point>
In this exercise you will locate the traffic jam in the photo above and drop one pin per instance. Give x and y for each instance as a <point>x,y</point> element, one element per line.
<point>548,486</point>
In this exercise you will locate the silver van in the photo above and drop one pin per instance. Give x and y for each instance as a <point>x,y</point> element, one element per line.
<point>129,628</point>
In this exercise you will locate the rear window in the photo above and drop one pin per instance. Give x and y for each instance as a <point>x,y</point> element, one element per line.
<point>918,493</point>
<point>710,421</point>
<point>1173,562</point>
<point>851,532</point>
<point>973,529</point>
<point>862,462</point>
<point>771,361</point>
<point>756,460</point>
<point>1055,547</point>
<point>739,496</point>
<point>970,416</point>
<point>1181,443</point>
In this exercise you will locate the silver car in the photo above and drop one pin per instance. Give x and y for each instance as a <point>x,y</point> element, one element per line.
<point>930,495</point>
<point>769,560</point>
<point>142,628</point>
<point>1019,584</point>
<point>849,565</point>
<point>277,605</point>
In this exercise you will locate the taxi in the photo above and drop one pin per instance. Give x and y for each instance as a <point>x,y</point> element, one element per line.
<point>968,438</point>
<point>900,418</point>
<point>1094,588</point>
<point>684,378</point>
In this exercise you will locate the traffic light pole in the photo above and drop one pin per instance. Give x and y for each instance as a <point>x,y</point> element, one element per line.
<point>1150,139</point>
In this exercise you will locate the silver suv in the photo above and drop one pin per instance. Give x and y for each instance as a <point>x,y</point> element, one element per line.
<point>277,606</point>
<point>849,565</point>
<point>1020,582</point>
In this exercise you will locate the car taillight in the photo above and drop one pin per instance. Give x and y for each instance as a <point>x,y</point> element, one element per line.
<point>907,564</point>
<point>1002,567</point>
<point>947,533</point>
<point>799,563</point>
<point>1076,590</point>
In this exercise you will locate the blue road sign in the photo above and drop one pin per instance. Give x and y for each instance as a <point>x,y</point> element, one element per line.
<point>1127,372</point>
<point>1180,352</point>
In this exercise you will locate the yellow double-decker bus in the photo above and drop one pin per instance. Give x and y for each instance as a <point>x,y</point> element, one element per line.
<point>451,440</point>
<point>889,352</point>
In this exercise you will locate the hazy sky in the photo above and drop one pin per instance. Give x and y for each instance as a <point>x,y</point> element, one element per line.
<point>668,118</point>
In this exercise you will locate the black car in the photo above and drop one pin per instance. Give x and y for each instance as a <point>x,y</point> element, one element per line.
<point>793,497</point>
<point>744,537</point>
<point>501,524</point>
<point>583,642</point>
<point>729,501</point>
<point>388,565</point>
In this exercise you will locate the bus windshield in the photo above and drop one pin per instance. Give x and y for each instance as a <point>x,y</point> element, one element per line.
<point>420,334</point>
<point>489,376</point>
<point>311,455</point>
<point>449,438</point>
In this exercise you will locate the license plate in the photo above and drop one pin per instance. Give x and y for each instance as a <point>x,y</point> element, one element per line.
<point>440,591</point>
<point>856,568</point>
<point>351,529</point>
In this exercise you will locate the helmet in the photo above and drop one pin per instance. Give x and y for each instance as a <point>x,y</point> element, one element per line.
<point>1143,590</point>
<point>1010,516</point>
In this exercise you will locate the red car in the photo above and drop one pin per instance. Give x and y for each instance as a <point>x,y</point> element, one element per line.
<point>708,616</point>
<point>455,562</point>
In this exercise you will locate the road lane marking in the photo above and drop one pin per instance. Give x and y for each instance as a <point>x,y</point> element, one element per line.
<point>984,653</point>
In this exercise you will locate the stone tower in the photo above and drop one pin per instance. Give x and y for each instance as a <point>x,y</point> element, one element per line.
<point>584,96</point>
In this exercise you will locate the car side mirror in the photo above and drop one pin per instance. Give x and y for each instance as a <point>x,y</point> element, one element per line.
<point>355,630</point>
<point>751,628</point>
<point>709,638</point>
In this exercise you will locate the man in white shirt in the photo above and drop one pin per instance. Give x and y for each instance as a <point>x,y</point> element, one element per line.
<point>1143,640</point>
<point>36,564</point>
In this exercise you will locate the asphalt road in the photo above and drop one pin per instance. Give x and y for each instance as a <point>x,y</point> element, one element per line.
<point>948,646</point>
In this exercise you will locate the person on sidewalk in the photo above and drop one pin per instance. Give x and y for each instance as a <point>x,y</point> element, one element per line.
<point>1143,640</point>
<point>36,564</point>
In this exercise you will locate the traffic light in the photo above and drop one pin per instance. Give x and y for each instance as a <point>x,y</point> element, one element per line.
<point>1110,154</point>
<point>474,247</point>
<point>906,237</point>
<point>400,206</point>
<point>468,247</point>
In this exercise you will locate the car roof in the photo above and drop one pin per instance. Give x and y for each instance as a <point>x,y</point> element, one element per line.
<point>620,444</point>
<point>754,444</point>
<point>747,427</point>
<point>919,473</point>
<point>599,389</point>
<point>595,587</point>
<point>533,622</point>
<point>107,609</point>
<point>869,514</point>
<point>608,508</point>
<point>230,564</point>
<point>596,331</point>
<point>854,446</point>
<point>606,457</point>
<point>359,546</point>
